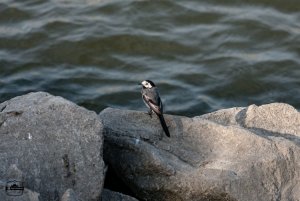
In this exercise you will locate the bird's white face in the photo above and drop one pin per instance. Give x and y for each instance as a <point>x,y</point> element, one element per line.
<point>147,84</point>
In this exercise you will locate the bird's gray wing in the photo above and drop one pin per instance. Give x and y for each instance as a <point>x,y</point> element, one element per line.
<point>152,104</point>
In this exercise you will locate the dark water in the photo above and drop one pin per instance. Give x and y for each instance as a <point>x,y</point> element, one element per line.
<point>203,55</point>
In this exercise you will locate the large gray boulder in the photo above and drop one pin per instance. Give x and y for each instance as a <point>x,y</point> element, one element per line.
<point>237,154</point>
<point>56,144</point>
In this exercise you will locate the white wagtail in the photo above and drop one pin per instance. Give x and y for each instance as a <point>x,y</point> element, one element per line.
<point>152,100</point>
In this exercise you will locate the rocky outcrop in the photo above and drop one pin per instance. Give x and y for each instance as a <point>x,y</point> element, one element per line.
<point>236,154</point>
<point>53,148</point>
<point>56,144</point>
<point>108,195</point>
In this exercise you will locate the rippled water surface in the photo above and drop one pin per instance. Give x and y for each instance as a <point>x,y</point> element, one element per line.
<point>203,55</point>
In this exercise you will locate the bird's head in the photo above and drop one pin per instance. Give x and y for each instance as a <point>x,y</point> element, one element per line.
<point>147,84</point>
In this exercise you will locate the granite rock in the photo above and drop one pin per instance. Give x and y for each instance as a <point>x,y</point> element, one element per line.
<point>236,154</point>
<point>56,145</point>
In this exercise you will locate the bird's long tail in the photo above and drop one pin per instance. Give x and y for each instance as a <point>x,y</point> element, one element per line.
<point>164,125</point>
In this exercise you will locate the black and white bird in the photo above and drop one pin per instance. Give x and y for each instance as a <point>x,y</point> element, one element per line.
<point>152,100</point>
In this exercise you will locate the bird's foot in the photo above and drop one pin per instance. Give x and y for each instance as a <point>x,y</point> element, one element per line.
<point>149,113</point>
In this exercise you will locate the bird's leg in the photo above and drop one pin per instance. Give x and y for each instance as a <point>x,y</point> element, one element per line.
<point>150,113</point>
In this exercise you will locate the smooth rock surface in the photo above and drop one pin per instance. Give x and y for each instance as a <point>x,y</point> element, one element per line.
<point>236,154</point>
<point>56,145</point>
<point>108,195</point>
